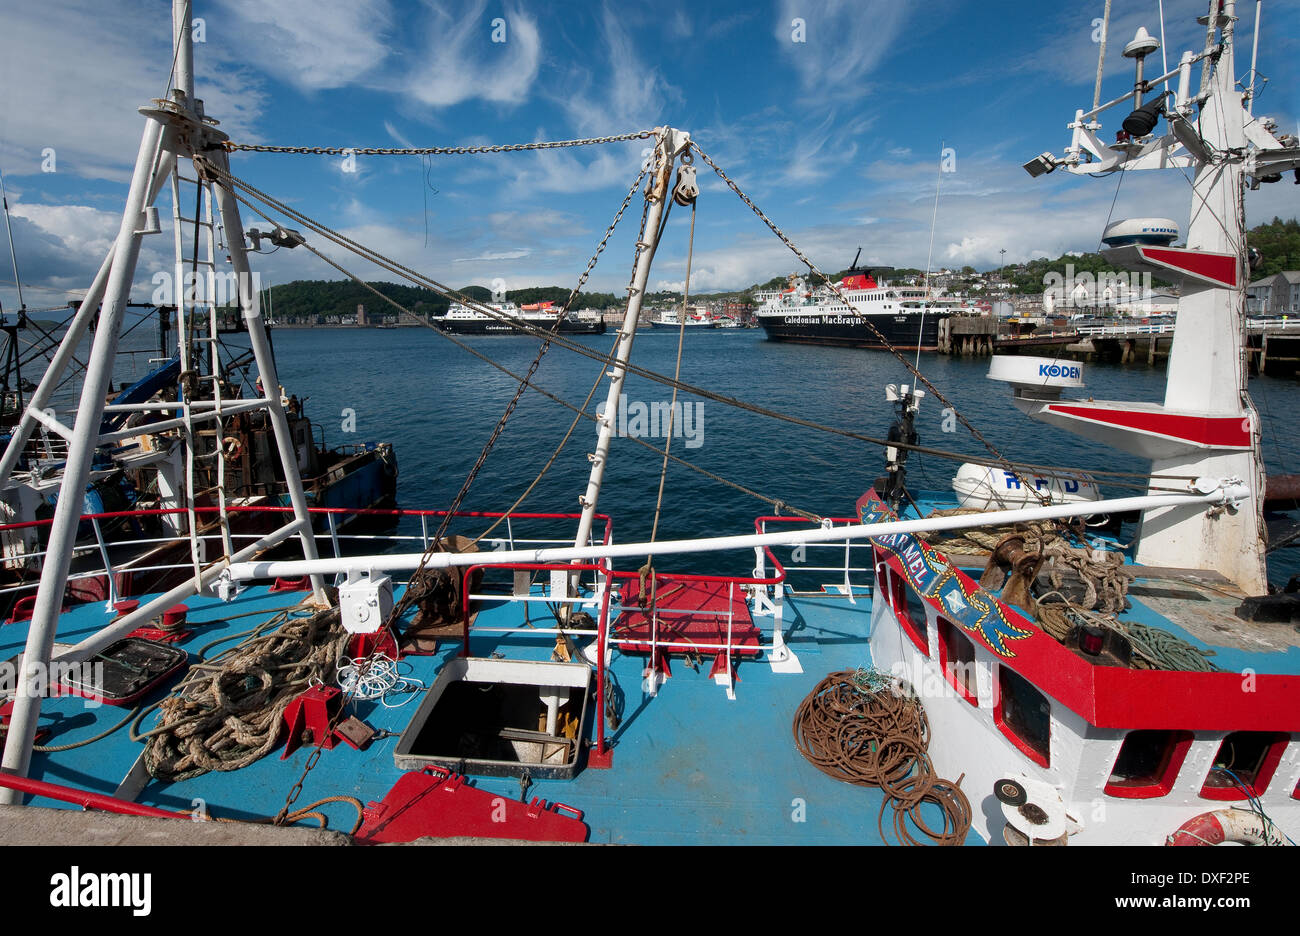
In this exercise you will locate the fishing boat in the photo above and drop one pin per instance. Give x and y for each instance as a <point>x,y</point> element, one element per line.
<point>866,676</point>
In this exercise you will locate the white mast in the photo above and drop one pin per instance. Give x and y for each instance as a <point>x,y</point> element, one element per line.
<point>173,129</point>
<point>669,144</point>
<point>1207,425</point>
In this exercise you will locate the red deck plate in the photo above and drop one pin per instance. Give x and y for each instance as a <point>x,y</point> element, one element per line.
<point>689,611</point>
<point>437,802</point>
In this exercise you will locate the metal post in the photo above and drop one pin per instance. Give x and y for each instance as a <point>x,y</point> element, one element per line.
<point>81,450</point>
<point>182,33</point>
<point>108,565</point>
<point>248,303</point>
<point>71,339</point>
<point>669,143</point>
<point>334,534</point>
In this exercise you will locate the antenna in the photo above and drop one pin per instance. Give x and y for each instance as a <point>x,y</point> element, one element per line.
<point>1254,55</point>
<point>4,196</point>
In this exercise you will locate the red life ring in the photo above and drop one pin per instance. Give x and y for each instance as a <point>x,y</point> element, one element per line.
<point>1241,826</point>
<point>232,448</point>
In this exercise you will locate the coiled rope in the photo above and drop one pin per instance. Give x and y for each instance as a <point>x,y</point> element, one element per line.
<point>861,727</point>
<point>228,713</point>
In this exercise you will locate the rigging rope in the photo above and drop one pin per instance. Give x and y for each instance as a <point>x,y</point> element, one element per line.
<point>580,413</point>
<point>677,373</point>
<point>812,268</point>
<point>426,282</point>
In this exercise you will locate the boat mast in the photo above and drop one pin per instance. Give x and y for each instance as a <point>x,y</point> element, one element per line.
<point>173,128</point>
<point>669,145</point>
<point>1207,426</point>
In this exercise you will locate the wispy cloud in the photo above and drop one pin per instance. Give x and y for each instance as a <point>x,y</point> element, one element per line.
<point>493,256</point>
<point>622,91</point>
<point>834,45</point>
<point>469,55</point>
<point>311,45</point>
<point>115,64</point>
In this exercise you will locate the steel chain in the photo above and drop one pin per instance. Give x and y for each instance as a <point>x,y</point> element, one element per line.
<point>812,267</point>
<point>434,150</point>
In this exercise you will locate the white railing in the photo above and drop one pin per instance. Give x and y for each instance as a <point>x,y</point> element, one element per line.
<point>143,555</point>
<point>1121,331</point>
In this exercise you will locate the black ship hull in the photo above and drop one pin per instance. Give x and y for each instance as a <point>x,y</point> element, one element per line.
<point>908,332</point>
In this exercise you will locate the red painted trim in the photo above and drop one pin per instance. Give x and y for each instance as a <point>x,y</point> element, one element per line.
<point>1222,268</point>
<point>1023,746</point>
<point>1260,784</point>
<point>1168,773</point>
<point>900,601</point>
<point>1214,431</point>
<point>1115,697</point>
<point>84,798</point>
<point>947,627</point>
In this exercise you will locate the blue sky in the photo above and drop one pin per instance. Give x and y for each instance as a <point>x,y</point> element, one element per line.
<point>837,137</point>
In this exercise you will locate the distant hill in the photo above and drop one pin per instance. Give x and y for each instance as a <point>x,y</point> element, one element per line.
<point>1279,242</point>
<point>307,300</point>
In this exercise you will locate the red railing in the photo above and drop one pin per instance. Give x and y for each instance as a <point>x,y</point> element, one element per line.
<point>601,625</point>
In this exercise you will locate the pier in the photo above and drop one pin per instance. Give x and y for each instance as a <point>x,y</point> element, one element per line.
<point>1272,345</point>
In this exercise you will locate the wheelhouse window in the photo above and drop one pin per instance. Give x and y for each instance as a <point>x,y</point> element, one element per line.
<point>1023,714</point>
<point>1244,765</point>
<point>910,611</point>
<point>1148,763</point>
<point>957,657</point>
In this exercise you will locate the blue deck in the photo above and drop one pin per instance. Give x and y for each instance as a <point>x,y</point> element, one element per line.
<point>689,766</point>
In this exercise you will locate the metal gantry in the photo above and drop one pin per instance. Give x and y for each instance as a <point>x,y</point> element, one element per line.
<point>175,131</point>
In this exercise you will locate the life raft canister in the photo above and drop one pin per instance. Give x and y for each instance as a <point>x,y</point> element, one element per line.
<point>1227,825</point>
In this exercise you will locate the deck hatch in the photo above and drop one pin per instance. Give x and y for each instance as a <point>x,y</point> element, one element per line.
<point>500,718</point>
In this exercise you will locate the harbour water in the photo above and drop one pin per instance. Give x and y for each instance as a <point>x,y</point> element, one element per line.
<point>438,404</point>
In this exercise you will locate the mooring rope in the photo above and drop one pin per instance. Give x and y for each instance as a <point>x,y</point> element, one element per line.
<point>862,727</point>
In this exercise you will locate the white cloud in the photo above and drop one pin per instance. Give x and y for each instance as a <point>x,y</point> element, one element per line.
<point>73,77</point>
<point>494,255</point>
<point>844,41</point>
<point>629,95</point>
<point>61,246</point>
<point>309,44</point>
<point>461,61</point>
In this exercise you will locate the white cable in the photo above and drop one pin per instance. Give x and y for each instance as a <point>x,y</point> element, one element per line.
<point>374,678</point>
